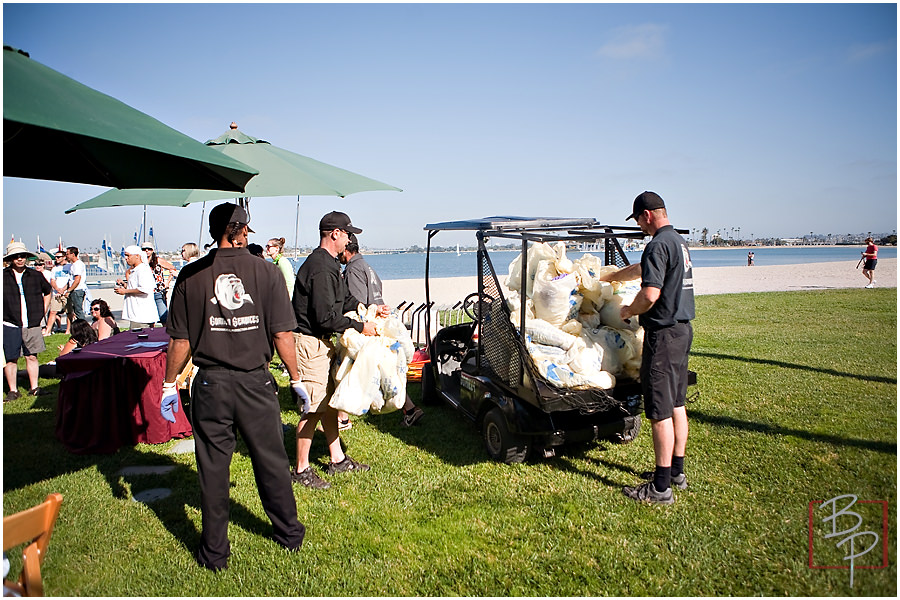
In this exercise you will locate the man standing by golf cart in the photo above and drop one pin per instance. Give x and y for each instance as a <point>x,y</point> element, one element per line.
<point>666,307</point>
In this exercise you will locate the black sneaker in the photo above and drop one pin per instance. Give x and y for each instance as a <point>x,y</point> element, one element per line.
<point>646,492</point>
<point>11,395</point>
<point>678,481</point>
<point>309,478</point>
<point>37,392</point>
<point>345,466</point>
<point>411,418</point>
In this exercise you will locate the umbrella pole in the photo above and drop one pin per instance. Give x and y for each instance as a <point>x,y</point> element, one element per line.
<point>200,235</point>
<point>296,226</point>
<point>144,233</point>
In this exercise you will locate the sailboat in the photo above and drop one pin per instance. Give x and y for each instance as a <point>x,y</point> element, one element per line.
<point>457,250</point>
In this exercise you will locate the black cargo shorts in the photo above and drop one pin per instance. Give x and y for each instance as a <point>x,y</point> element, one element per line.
<point>664,369</point>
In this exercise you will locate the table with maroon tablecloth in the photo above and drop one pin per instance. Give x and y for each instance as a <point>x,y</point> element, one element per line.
<point>109,395</point>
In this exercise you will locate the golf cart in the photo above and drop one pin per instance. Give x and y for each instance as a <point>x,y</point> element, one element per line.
<point>483,367</point>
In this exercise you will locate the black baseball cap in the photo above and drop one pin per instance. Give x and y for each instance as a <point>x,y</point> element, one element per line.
<point>645,201</point>
<point>222,215</point>
<point>337,220</point>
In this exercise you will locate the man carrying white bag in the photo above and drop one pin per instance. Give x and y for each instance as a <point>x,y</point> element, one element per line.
<point>372,373</point>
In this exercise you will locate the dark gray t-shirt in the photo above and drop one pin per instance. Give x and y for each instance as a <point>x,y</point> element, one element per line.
<point>666,264</point>
<point>364,283</point>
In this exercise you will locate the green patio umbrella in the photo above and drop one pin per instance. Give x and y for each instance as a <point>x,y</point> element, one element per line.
<point>281,173</point>
<point>58,129</point>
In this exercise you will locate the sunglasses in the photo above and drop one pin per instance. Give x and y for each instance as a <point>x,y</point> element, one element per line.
<point>18,256</point>
<point>93,308</point>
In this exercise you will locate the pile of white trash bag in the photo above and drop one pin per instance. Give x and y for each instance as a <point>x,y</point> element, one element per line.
<point>573,329</point>
<point>371,371</point>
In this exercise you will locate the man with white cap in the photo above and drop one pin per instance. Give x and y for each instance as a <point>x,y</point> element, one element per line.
<point>228,309</point>
<point>139,306</point>
<point>26,298</point>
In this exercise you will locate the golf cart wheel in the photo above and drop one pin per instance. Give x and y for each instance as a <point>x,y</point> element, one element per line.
<point>503,445</point>
<point>429,391</point>
<point>630,434</point>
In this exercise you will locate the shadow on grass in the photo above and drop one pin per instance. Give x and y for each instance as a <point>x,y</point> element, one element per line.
<point>442,432</point>
<point>786,365</point>
<point>32,454</point>
<point>565,461</point>
<point>723,421</point>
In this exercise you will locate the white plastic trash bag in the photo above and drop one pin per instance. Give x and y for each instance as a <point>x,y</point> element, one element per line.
<point>555,297</point>
<point>371,373</point>
<point>624,293</point>
<point>536,253</point>
<point>360,386</point>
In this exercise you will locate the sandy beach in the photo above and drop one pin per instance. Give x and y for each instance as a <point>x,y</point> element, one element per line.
<point>707,280</point>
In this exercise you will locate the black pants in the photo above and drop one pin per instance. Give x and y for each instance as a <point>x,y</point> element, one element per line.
<point>222,399</point>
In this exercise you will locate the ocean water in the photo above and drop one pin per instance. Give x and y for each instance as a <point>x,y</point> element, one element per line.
<point>449,264</point>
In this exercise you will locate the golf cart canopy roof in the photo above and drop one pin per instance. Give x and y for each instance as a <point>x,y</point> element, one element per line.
<point>511,224</point>
<point>537,228</point>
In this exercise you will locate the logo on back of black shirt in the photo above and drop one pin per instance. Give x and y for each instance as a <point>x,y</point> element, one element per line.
<point>230,292</point>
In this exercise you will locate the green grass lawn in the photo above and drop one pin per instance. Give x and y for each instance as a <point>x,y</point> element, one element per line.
<point>796,403</point>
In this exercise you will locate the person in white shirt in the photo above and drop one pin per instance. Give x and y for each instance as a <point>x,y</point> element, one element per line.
<point>59,281</point>
<point>139,306</point>
<point>77,288</point>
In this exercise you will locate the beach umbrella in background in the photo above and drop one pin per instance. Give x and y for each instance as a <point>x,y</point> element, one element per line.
<point>58,129</point>
<point>281,173</point>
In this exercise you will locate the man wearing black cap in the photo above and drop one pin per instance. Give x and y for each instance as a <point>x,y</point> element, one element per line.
<point>666,307</point>
<point>321,298</point>
<point>227,310</point>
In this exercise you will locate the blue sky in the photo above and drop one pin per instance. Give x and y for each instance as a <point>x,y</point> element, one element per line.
<point>777,119</point>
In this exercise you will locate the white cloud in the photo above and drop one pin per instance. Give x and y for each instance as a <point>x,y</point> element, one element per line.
<point>636,41</point>
<point>859,52</point>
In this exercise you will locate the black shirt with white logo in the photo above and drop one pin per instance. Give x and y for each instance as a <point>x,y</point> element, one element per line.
<point>229,304</point>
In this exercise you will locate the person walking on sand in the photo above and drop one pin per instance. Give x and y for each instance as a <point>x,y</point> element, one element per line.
<point>871,257</point>
<point>666,307</point>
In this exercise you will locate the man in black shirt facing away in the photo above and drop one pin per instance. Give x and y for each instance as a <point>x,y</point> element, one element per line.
<point>227,310</point>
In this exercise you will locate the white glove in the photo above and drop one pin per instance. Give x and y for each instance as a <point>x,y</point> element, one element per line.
<point>301,392</point>
<point>168,406</point>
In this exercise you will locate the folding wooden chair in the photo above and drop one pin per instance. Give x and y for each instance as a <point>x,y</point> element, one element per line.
<point>34,527</point>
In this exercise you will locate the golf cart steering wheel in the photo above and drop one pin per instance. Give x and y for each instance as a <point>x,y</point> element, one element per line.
<point>470,306</point>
